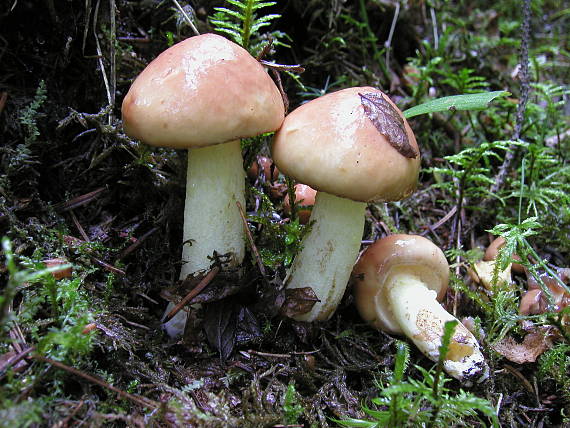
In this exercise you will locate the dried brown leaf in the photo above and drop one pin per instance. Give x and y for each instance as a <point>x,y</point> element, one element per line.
<point>388,122</point>
<point>298,301</point>
<point>533,345</point>
<point>220,324</point>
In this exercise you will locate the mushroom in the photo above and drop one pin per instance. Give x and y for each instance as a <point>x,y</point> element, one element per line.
<point>398,282</point>
<point>196,95</point>
<point>61,267</point>
<point>305,199</point>
<point>493,250</point>
<point>483,272</point>
<point>534,302</point>
<point>334,145</point>
<point>262,164</point>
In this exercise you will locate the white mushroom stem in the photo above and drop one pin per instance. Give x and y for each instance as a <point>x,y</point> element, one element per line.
<point>215,181</point>
<point>422,319</point>
<point>212,222</point>
<point>328,254</point>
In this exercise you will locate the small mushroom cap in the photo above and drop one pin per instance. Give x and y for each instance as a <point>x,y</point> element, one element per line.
<point>493,250</point>
<point>560,297</point>
<point>204,90</point>
<point>263,163</point>
<point>531,303</point>
<point>305,197</point>
<point>331,145</point>
<point>393,255</point>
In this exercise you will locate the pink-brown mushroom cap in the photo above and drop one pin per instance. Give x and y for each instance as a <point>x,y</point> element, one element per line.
<point>204,90</point>
<point>331,145</point>
<point>305,198</point>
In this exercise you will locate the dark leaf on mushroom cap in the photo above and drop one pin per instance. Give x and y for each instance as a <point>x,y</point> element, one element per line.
<point>298,301</point>
<point>388,122</point>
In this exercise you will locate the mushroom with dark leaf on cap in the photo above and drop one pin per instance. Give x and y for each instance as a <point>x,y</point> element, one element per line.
<point>352,146</point>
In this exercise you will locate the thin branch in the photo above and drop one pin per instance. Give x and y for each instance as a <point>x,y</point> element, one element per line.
<point>524,77</point>
<point>195,291</point>
<point>135,398</point>
<point>388,43</point>
<point>252,243</point>
<point>188,19</point>
<point>100,57</point>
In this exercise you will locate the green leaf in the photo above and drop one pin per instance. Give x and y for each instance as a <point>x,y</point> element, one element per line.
<point>456,102</point>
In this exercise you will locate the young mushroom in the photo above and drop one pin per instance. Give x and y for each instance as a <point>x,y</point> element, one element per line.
<point>263,168</point>
<point>305,199</point>
<point>492,252</point>
<point>352,146</point>
<point>204,94</point>
<point>534,301</point>
<point>398,282</point>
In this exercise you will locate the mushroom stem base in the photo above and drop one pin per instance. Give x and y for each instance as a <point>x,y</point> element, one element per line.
<point>422,319</point>
<point>328,254</point>
<point>212,222</point>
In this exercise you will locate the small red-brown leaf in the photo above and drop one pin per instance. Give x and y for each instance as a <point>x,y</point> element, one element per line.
<point>388,123</point>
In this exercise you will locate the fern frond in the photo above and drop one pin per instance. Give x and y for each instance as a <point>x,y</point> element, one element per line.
<point>402,361</point>
<point>241,22</point>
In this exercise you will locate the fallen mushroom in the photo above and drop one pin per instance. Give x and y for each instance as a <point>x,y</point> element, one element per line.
<point>398,281</point>
<point>196,95</point>
<point>352,146</point>
<point>305,199</point>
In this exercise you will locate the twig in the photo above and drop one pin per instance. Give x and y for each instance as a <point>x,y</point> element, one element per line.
<point>107,266</point>
<point>188,19</point>
<point>296,68</point>
<point>195,291</point>
<point>134,324</point>
<point>252,243</point>
<point>79,200</point>
<point>519,375</point>
<point>100,57</point>
<point>388,44</point>
<point>265,50</point>
<point>441,221</point>
<point>284,97</point>
<point>135,398</point>
<point>112,58</point>
<point>78,226</point>
<point>150,299</point>
<point>267,354</point>
<point>13,361</point>
<point>63,423</point>
<point>136,244</point>
<point>3,98</point>
<point>525,89</point>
